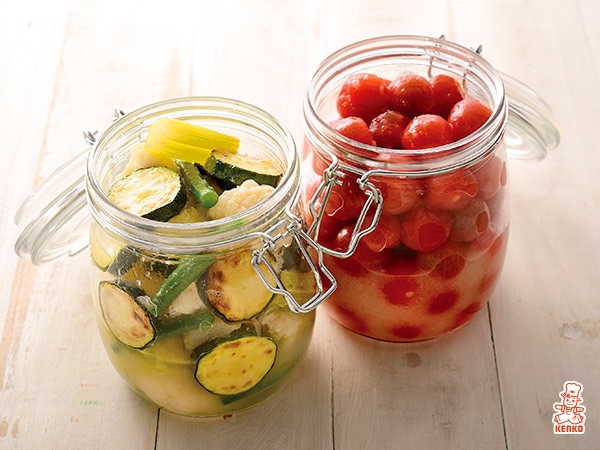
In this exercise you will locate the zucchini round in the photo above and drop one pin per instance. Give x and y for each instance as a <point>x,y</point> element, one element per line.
<point>236,168</point>
<point>127,320</point>
<point>236,366</point>
<point>234,289</point>
<point>155,193</point>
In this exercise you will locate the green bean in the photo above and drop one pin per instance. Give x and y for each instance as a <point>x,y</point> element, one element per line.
<point>202,190</point>
<point>185,274</point>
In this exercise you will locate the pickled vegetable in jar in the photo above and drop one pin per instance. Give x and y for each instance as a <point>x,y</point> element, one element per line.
<point>405,184</point>
<point>194,253</point>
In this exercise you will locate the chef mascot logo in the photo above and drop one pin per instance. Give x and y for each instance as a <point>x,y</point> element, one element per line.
<point>569,417</point>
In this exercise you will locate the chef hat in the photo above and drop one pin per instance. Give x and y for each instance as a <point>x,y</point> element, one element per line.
<point>572,390</point>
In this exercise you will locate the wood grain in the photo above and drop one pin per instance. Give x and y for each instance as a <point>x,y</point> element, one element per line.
<point>491,385</point>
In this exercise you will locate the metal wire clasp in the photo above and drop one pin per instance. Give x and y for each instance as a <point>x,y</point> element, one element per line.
<point>331,178</point>
<point>293,229</point>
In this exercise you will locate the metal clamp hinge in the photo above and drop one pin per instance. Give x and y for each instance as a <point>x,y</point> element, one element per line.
<point>331,178</point>
<point>294,230</point>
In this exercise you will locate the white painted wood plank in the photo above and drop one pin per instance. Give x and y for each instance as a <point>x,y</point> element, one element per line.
<point>59,389</point>
<point>441,393</point>
<point>544,324</point>
<point>59,386</point>
<point>65,68</point>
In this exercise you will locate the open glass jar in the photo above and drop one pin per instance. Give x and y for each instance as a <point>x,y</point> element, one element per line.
<point>416,239</point>
<point>202,317</point>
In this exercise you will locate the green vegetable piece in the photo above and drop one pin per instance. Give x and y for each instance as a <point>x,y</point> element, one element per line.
<point>202,320</point>
<point>128,321</point>
<point>234,289</point>
<point>124,261</point>
<point>202,190</point>
<point>236,168</point>
<point>156,193</point>
<point>236,366</point>
<point>184,274</point>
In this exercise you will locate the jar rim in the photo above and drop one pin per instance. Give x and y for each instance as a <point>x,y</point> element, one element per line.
<point>374,52</point>
<point>193,237</point>
<point>54,220</point>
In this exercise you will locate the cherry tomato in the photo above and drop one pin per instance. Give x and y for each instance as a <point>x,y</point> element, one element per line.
<point>363,258</point>
<point>354,128</point>
<point>427,131</point>
<point>447,91</point>
<point>407,332</point>
<point>446,261</point>
<point>346,200</point>
<point>425,229</point>
<point>467,313</point>
<point>491,176</point>
<point>386,234</point>
<point>442,302</point>
<point>411,94</point>
<point>470,222</point>
<point>329,226</point>
<point>467,116</point>
<point>402,291</point>
<point>451,191</point>
<point>364,95</point>
<point>399,195</point>
<point>387,129</point>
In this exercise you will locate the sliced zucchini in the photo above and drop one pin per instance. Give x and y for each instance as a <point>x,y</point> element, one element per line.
<point>236,168</point>
<point>127,320</point>
<point>156,193</point>
<point>234,289</point>
<point>103,248</point>
<point>236,366</point>
<point>124,261</point>
<point>191,212</point>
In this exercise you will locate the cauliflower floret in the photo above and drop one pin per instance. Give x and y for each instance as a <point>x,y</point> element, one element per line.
<point>238,199</point>
<point>141,158</point>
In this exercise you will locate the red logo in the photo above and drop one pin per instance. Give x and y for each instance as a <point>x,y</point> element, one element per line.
<point>569,417</point>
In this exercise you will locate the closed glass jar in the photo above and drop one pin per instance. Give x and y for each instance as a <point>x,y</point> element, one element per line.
<point>183,311</point>
<point>435,220</point>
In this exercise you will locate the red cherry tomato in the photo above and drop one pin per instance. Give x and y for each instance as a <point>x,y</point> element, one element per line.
<point>346,200</point>
<point>445,262</point>
<point>467,116</point>
<point>386,234</point>
<point>354,128</point>
<point>402,291</point>
<point>491,176</point>
<point>442,302</point>
<point>363,258</point>
<point>427,131</point>
<point>387,129</point>
<point>451,191</point>
<point>364,95</point>
<point>399,195</point>
<point>470,222</point>
<point>447,91</point>
<point>329,226</point>
<point>425,229</point>
<point>411,94</point>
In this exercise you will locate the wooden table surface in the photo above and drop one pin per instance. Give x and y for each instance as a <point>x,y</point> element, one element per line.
<point>66,65</point>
